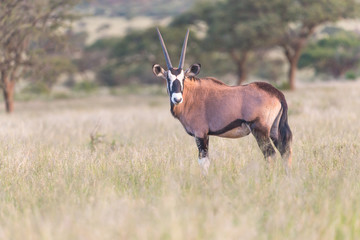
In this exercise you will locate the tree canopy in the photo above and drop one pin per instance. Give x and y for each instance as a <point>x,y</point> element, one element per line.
<point>227,34</point>
<point>241,27</point>
<point>22,25</point>
<point>301,20</point>
<point>333,55</point>
<point>238,27</point>
<point>128,59</point>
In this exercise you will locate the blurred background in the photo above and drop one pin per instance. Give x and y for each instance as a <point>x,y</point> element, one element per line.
<point>92,151</point>
<point>56,49</point>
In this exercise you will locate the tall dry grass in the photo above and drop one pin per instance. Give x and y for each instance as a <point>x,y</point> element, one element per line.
<point>138,178</point>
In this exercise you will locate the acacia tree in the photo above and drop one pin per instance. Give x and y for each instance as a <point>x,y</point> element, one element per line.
<point>302,18</point>
<point>22,22</point>
<point>239,28</point>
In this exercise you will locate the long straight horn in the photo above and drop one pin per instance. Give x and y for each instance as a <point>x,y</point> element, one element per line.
<point>183,51</point>
<point>167,58</point>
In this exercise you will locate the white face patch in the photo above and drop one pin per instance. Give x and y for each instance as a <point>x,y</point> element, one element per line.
<point>176,96</point>
<point>172,78</point>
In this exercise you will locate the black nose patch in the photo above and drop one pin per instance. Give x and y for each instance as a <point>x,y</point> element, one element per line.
<point>176,86</point>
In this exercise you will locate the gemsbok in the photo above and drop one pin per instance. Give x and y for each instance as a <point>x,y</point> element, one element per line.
<point>207,106</point>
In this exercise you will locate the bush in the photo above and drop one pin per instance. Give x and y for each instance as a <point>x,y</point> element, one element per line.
<point>111,75</point>
<point>350,75</point>
<point>86,86</point>
<point>37,88</point>
<point>335,55</point>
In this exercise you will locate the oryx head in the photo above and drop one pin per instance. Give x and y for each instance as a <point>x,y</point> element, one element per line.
<point>175,76</point>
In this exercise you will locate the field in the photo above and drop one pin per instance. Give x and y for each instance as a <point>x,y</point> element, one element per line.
<point>120,167</point>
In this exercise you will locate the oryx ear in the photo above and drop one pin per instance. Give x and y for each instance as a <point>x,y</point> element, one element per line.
<point>158,71</point>
<point>193,70</point>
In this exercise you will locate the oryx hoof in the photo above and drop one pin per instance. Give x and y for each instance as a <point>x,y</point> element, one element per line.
<point>204,165</point>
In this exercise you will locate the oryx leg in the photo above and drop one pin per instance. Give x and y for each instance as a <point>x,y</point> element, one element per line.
<point>203,146</point>
<point>263,140</point>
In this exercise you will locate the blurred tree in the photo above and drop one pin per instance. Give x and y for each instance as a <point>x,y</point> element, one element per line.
<point>303,16</point>
<point>95,56</point>
<point>140,48</point>
<point>129,59</point>
<point>22,23</point>
<point>55,55</point>
<point>125,8</point>
<point>334,55</point>
<point>270,68</point>
<point>238,28</point>
<point>47,69</point>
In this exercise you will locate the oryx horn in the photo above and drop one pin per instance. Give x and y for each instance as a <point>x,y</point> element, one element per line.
<point>167,58</point>
<point>183,51</point>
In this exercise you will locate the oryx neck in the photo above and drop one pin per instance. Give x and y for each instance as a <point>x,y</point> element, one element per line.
<point>191,90</point>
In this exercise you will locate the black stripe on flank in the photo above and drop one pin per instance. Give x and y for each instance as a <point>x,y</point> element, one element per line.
<point>232,125</point>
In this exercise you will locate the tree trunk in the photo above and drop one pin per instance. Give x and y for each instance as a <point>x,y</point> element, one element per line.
<point>9,96</point>
<point>293,59</point>
<point>293,50</point>
<point>241,72</point>
<point>291,74</point>
<point>8,91</point>
<point>240,66</point>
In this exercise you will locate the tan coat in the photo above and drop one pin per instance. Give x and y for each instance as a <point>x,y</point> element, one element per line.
<point>209,106</point>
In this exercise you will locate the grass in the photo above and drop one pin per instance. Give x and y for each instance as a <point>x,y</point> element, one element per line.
<point>138,177</point>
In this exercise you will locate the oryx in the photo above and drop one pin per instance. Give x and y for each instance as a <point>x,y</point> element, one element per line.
<point>207,106</point>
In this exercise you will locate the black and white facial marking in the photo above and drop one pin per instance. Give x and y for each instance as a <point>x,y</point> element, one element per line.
<point>175,80</point>
<point>175,84</point>
<point>175,76</point>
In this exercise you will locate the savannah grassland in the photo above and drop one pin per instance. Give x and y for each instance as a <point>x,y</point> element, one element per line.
<point>139,177</point>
